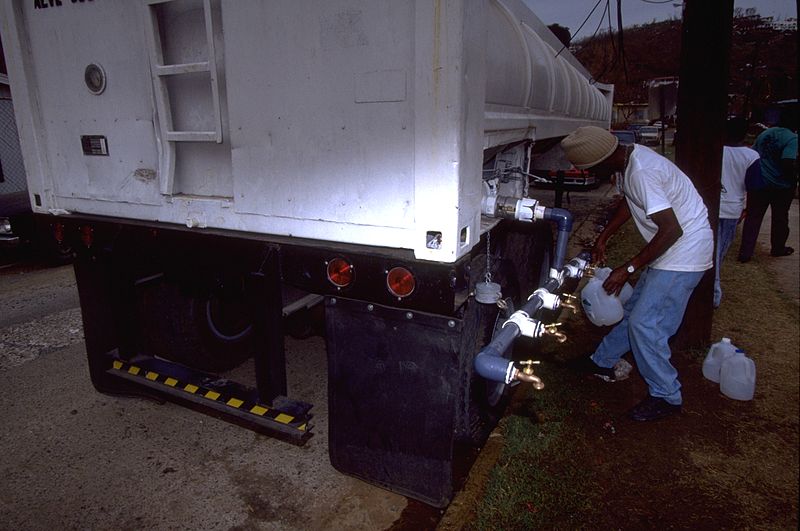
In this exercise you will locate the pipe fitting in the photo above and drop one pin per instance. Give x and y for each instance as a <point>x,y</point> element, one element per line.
<point>526,209</point>
<point>561,216</point>
<point>575,267</point>
<point>495,368</point>
<point>550,301</point>
<point>527,327</point>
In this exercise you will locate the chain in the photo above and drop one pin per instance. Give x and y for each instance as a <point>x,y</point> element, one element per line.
<point>488,277</point>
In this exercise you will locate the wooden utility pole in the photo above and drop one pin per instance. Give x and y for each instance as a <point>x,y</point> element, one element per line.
<point>702,110</point>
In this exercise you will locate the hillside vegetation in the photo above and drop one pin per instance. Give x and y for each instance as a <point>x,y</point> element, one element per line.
<point>763,65</point>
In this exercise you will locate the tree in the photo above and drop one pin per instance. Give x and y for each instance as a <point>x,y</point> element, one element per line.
<point>561,33</point>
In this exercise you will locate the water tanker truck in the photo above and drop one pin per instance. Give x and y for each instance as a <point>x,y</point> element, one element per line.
<point>221,167</point>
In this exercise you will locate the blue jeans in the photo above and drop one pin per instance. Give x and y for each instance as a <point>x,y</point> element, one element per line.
<point>652,315</point>
<point>726,232</point>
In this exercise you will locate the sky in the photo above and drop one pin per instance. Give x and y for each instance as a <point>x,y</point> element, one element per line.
<point>571,13</point>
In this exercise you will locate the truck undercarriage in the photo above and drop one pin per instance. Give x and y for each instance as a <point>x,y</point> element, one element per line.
<point>168,313</point>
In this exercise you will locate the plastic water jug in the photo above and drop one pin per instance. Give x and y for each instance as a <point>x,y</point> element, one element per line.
<point>737,377</point>
<point>717,354</point>
<point>601,308</point>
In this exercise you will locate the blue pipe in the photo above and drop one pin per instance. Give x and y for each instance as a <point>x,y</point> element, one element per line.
<point>563,219</point>
<point>490,362</point>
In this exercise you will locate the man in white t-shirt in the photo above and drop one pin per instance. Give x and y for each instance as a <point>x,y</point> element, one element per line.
<point>738,161</point>
<point>672,218</point>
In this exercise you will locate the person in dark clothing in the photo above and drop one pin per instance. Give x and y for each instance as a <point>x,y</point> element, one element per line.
<point>777,147</point>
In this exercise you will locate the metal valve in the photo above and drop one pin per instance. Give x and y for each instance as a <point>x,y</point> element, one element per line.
<point>528,376</point>
<point>569,301</point>
<point>588,272</point>
<point>552,330</point>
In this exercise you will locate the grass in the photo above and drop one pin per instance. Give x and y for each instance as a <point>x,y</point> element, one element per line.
<point>524,492</point>
<point>566,451</point>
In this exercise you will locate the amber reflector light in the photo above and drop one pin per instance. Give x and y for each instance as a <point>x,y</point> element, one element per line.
<point>340,272</point>
<point>400,282</point>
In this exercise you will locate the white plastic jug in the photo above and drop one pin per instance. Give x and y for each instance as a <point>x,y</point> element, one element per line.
<point>717,354</point>
<point>737,377</point>
<point>601,308</point>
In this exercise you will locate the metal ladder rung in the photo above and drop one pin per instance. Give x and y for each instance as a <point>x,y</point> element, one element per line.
<point>182,68</point>
<point>192,136</point>
<point>161,71</point>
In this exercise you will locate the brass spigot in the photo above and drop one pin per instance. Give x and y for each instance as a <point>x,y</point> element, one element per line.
<point>569,301</point>
<point>526,374</point>
<point>589,270</point>
<point>552,330</point>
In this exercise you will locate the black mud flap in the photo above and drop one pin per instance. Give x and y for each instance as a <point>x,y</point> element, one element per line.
<point>393,390</point>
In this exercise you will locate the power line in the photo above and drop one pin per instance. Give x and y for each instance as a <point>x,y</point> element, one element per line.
<point>581,26</point>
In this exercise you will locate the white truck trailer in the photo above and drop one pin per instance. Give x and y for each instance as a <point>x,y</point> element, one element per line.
<point>211,159</point>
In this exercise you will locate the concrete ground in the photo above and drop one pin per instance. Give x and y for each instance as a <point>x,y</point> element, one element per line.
<point>72,458</point>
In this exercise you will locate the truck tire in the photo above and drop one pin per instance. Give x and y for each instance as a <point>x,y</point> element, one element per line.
<point>205,327</point>
<point>524,267</point>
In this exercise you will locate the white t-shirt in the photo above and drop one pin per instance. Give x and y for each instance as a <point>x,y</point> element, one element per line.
<point>735,161</point>
<point>651,184</point>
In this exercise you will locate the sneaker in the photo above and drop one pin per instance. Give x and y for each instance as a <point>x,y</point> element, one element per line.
<point>785,252</point>
<point>587,366</point>
<point>652,408</point>
<point>622,369</point>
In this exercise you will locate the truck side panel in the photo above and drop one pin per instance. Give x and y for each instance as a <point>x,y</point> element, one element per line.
<point>347,121</point>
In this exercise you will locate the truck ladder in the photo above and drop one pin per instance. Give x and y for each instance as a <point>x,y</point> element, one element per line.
<point>160,72</point>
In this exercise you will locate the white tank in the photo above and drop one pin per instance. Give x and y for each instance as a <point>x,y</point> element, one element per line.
<point>339,120</point>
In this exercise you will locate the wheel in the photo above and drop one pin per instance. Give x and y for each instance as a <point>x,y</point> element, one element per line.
<point>205,326</point>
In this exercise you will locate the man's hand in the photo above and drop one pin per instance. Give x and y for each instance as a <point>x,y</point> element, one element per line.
<point>599,252</point>
<point>669,230</point>
<point>616,280</point>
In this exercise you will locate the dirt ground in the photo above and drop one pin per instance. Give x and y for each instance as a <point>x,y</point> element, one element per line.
<point>721,464</point>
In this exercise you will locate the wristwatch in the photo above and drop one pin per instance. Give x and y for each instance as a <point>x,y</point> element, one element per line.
<point>630,269</point>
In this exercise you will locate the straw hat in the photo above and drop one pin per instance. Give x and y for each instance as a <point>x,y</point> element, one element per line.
<point>588,146</point>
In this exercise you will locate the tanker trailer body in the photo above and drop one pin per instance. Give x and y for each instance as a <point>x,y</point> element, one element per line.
<point>218,164</point>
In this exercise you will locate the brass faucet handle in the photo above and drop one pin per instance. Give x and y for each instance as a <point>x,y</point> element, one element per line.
<point>552,330</point>
<point>528,366</point>
<point>569,301</point>
<point>528,376</point>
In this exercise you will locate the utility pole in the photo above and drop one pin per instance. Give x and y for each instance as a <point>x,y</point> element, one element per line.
<point>702,109</point>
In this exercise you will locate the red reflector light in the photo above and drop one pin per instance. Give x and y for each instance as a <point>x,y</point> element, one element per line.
<point>58,232</point>
<point>400,282</point>
<point>87,235</point>
<point>340,272</point>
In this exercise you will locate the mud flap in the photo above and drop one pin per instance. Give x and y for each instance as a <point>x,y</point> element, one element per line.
<point>393,391</point>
